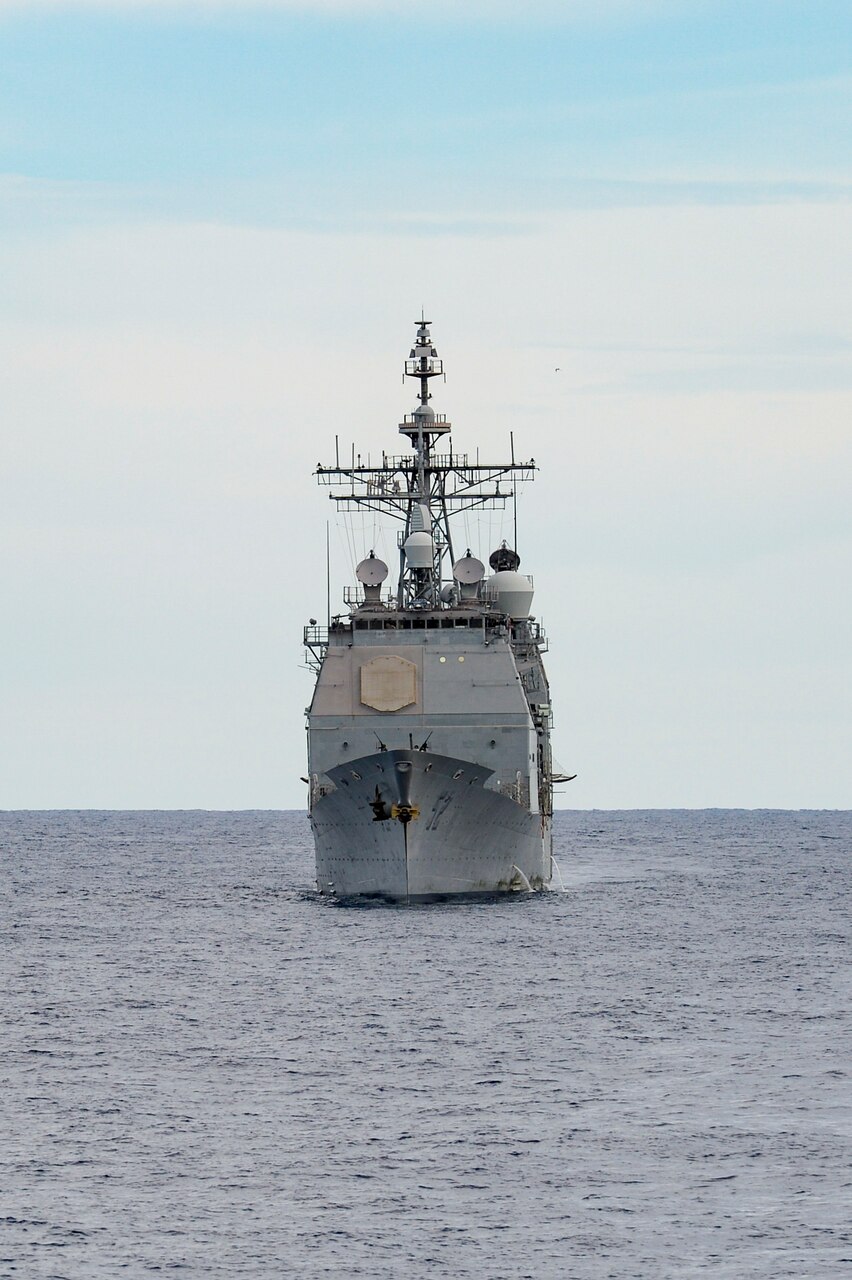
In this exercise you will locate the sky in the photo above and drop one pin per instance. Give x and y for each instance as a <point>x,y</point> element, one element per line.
<point>630,225</point>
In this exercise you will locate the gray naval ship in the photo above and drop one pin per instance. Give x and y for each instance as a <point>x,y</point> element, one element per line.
<point>429,754</point>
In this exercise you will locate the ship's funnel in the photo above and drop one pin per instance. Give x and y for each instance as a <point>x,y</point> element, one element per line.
<point>511,592</point>
<point>419,550</point>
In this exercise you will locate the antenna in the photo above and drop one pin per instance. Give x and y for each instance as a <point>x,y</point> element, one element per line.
<point>423,363</point>
<point>426,490</point>
<point>327,575</point>
<point>514,493</point>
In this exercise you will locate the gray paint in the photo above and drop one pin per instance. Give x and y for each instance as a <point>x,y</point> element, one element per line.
<point>433,688</point>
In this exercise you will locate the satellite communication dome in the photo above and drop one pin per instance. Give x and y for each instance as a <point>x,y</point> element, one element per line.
<point>468,569</point>
<point>419,550</point>
<point>504,558</point>
<point>372,571</point>
<point>511,592</point>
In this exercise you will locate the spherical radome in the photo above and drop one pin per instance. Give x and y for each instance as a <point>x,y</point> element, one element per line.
<point>512,592</point>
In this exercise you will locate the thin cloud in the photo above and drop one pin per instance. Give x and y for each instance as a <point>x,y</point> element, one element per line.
<point>559,11</point>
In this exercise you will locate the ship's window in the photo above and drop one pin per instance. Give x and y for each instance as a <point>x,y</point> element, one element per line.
<point>433,622</point>
<point>476,622</point>
<point>419,624</point>
<point>447,622</point>
<point>406,624</point>
<point>360,626</point>
<point>442,658</point>
<point>376,625</point>
<point>461,622</point>
<point>461,657</point>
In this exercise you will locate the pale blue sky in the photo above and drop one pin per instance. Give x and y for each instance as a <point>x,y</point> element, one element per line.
<point>218,222</point>
<point>216,105</point>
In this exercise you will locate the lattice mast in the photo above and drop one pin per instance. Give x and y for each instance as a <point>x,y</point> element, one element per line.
<point>420,585</point>
<point>424,489</point>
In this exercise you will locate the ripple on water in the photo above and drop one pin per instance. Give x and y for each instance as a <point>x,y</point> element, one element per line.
<point>207,1069</point>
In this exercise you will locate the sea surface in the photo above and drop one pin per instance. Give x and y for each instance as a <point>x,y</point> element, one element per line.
<point>207,1071</point>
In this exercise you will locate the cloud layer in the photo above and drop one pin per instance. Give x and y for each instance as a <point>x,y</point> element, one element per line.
<point>631,233</point>
<point>171,388</point>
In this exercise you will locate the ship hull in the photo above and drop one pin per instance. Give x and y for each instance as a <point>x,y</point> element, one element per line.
<point>414,826</point>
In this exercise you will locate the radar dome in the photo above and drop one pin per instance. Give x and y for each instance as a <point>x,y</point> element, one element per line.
<point>504,558</point>
<point>372,571</point>
<point>512,592</point>
<point>468,569</point>
<point>419,550</point>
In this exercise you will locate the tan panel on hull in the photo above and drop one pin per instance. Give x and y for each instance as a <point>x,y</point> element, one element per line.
<point>388,683</point>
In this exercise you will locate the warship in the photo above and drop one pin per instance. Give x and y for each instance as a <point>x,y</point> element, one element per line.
<point>429,760</point>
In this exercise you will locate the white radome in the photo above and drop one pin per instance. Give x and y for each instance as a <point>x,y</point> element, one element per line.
<point>419,550</point>
<point>512,592</point>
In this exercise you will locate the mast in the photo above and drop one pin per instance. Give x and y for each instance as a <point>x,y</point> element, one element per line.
<point>423,363</point>
<point>424,488</point>
<point>426,531</point>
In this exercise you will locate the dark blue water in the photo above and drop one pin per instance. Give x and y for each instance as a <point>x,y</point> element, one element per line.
<point>206,1071</point>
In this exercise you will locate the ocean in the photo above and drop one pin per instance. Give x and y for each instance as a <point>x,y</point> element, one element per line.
<point>209,1072</point>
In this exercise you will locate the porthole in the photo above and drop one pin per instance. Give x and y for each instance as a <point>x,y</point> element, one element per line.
<point>442,658</point>
<point>461,657</point>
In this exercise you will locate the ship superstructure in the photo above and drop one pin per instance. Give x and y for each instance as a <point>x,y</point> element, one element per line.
<point>429,729</point>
